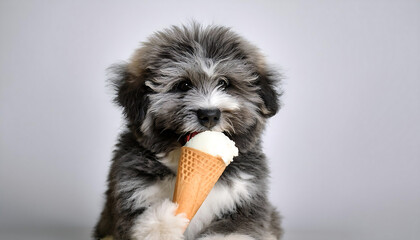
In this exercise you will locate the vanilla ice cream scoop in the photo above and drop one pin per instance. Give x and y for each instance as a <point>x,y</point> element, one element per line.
<point>214,143</point>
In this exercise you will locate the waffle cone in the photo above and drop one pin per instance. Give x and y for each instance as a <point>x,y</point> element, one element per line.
<point>197,174</point>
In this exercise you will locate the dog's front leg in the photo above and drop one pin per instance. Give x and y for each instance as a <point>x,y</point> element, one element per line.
<point>159,222</point>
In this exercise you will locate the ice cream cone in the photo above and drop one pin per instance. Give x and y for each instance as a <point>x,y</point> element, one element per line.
<point>197,174</point>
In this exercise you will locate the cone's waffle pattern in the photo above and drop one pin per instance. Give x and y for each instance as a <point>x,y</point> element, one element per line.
<point>197,174</point>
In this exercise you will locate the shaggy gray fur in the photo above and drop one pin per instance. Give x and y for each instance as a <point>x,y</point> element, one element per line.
<point>174,74</point>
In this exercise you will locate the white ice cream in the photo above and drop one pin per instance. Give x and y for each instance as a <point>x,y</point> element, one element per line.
<point>214,143</point>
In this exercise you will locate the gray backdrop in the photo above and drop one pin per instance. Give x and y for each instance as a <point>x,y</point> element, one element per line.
<point>344,150</point>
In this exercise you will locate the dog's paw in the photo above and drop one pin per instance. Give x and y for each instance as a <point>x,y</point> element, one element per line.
<point>159,222</point>
<point>233,236</point>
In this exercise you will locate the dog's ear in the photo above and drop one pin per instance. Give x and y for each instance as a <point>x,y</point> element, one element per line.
<point>131,93</point>
<point>268,81</point>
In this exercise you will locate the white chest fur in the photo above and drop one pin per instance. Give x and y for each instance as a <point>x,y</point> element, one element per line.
<point>221,199</point>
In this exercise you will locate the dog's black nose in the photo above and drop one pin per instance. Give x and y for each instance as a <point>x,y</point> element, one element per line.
<point>208,117</point>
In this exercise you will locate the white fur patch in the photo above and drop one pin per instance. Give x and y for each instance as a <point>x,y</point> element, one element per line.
<point>160,223</point>
<point>221,199</point>
<point>171,159</point>
<point>143,197</point>
<point>218,99</point>
<point>207,65</point>
<point>228,237</point>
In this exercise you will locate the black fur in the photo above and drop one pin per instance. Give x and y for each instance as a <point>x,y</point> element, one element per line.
<point>267,82</point>
<point>131,94</point>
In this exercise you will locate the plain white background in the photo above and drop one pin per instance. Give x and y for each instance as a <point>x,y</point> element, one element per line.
<point>344,150</point>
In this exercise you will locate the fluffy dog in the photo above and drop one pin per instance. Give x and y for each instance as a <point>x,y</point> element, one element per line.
<point>184,80</point>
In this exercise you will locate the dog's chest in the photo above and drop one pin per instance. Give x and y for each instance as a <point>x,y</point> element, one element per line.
<point>222,198</point>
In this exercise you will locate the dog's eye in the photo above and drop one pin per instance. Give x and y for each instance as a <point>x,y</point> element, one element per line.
<point>223,83</point>
<point>184,85</point>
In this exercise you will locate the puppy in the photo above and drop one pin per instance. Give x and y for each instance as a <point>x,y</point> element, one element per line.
<point>184,80</point>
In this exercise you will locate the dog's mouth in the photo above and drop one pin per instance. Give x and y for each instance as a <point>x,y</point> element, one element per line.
<point>189,136</point>
<point>184,139</point>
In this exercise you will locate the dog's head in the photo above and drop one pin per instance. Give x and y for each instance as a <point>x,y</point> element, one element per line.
<point>191,79</point>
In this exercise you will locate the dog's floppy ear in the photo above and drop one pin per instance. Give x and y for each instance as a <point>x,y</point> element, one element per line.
<point>131,93</point>
<point>267,82</point>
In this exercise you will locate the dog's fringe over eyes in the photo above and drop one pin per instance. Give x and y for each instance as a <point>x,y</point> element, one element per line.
<point>176,74</point>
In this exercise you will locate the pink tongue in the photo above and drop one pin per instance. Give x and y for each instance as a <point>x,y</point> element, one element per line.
<point>189,136</point>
